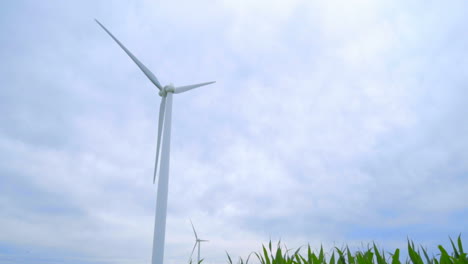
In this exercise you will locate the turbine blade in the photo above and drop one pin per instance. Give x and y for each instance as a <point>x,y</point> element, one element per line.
<point>196,237</point>
<point>202,240</point>
<point>194,246</point>
<point>182,89</point>
<point>162,111</point>
<point>140,65</point>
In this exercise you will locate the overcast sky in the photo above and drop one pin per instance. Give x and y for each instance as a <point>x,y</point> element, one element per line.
<point>335,122</point>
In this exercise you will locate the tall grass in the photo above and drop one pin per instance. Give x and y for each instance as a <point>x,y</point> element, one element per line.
<point>282,255</point>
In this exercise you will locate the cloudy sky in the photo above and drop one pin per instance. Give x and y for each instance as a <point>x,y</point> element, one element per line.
<point>335,122</point>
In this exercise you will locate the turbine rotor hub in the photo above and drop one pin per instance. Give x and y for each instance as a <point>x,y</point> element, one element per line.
<point>167,89</point>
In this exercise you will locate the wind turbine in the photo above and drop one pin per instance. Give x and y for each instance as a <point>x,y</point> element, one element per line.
<point>197,241</point>
<point>162,151</point>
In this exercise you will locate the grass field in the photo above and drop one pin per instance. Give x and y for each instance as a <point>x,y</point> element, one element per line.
<point>372,255</point>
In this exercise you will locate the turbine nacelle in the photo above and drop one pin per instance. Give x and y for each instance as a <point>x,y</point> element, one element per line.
<point>167,89</point>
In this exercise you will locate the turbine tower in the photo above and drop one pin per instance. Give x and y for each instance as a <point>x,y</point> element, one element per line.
<point>162,150</point>
<point>197,242</point>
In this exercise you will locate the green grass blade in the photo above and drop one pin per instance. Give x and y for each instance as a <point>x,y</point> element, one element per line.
<point>321,257</point>
<point>444,256</point>
<point>279,256</point>
<point>460,246</point>
<point>315,259</point>
<point>298,259</point>
<point>332,259</point>
<point>248,258</point>
<point>380,259</point>
<point>297,251</point>
<point>429,260</point>
<point>360,258</point>
<point>414,256</point>
<point>455,251</point>
<point>396,257</point>
<point>350,256</point>
<point>369,256</point>
<point>229,258</point>
<point>341,259</point>
<point>260,258</point>
<point>309,255</point>
<point>463,259</point>
<point>267,258</point>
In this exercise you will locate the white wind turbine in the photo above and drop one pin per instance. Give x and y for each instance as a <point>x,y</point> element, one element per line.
<point>197,241</point>
<point>162,151</point>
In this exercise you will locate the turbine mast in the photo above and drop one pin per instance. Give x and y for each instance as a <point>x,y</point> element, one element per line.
<point>198,258</point>
<point>163,186</point>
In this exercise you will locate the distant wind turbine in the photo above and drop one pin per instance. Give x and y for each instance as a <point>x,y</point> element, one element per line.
<point>162,151</point>
<point>197,241</point>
